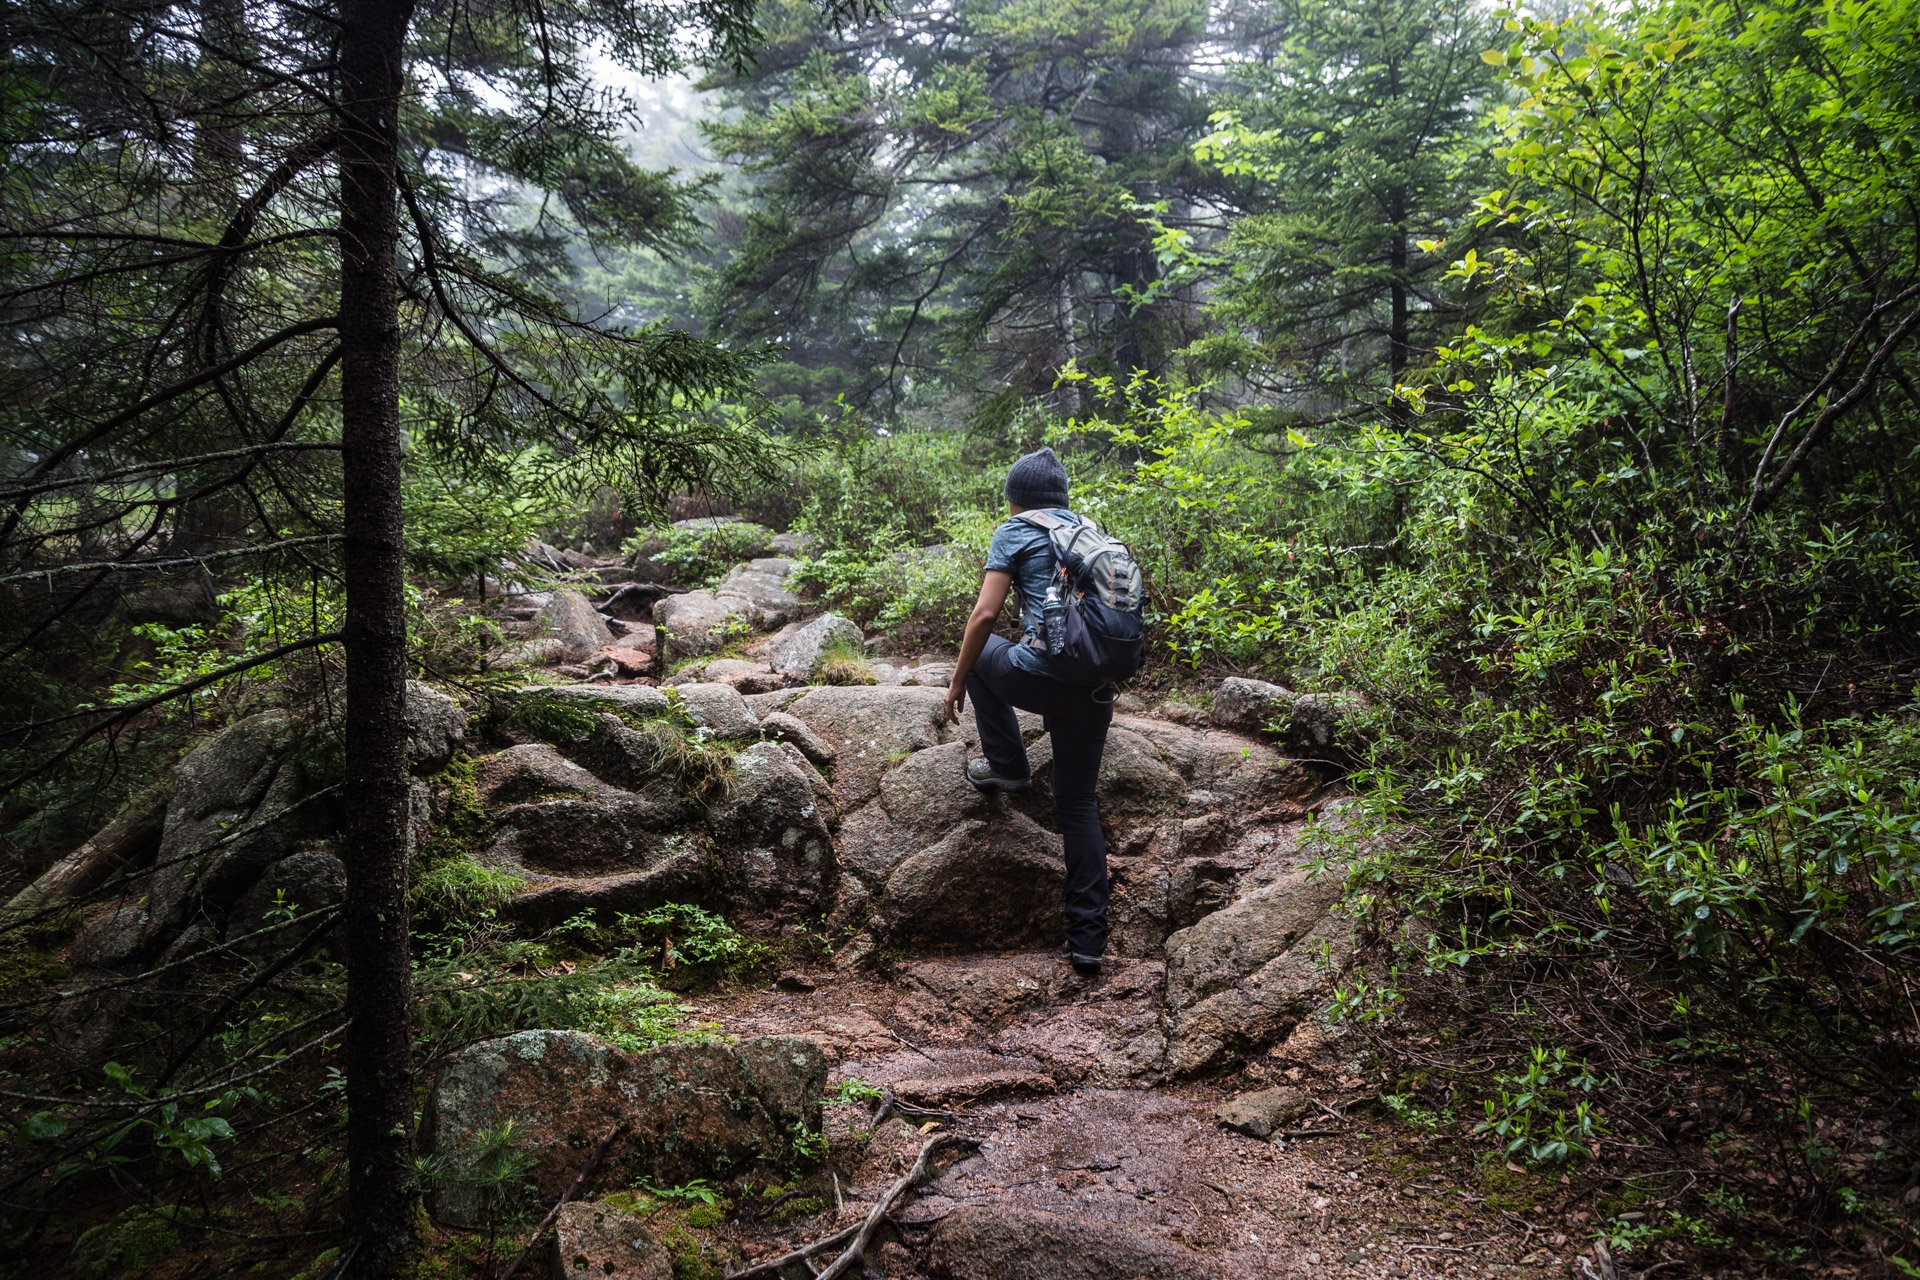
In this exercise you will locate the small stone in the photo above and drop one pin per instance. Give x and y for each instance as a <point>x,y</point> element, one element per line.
<point>759,682</point>
<point>719,709</point>
<point>1258,1115</point>
<point>1249,705</point>
<point>794,982</point>
<point>782,727</point>
<point>631,662</point>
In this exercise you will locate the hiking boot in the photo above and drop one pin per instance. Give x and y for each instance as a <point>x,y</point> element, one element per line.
<point>984,779</point>
<point>1084,965</point>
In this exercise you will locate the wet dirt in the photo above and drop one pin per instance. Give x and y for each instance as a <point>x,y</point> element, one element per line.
<point>1077,1136</point>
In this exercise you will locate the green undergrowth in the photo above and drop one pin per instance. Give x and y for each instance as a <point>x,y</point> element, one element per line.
<point>603,977</point>
<point>843,661</point>
<point>702,553</point>
<point>675,747</point>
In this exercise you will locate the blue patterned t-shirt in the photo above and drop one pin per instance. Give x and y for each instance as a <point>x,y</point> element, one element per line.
<point>1025,551</point>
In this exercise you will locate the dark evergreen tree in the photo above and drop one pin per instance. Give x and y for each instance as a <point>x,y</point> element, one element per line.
<point>254,254</point>
<point>953,196</point>
<point>1357,137</point>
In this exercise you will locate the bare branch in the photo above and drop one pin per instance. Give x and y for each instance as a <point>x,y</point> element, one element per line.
<point>155,566</point>
<point>60,455</point>
<point>132,709</point>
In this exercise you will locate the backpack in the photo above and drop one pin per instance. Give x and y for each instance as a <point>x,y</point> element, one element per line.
<point>1094,619</point>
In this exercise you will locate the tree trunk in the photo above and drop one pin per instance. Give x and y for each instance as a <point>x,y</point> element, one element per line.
<point>1397,271</point>
<point>382,1196</point>
<point>132,837</point>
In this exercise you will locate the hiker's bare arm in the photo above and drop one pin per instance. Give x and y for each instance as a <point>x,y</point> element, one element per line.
<point>993,594</point>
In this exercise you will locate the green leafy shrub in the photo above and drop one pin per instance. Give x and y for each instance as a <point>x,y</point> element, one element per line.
<point>704,552</point>
<point>921,591</point>
<point>1202,514</point>
<point>578,976</point>
<point>495,1165</point>
<point>866,488</point>
<point>692,936</point>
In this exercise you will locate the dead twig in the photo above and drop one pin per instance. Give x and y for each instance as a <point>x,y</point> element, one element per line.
<point>786,1260</point>
<point>891,1106</point>
<point>1309,1133</point>
<point>910,1044</point>
<point>580,1180</point>
<point>838,1267</point>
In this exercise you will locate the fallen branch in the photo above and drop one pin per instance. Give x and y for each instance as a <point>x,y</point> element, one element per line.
<point>910,1044</point>
<point>798,1255</point>
<point>853,1251</point>
<point>1309,1133</point>
<point>891,1106</point>
<point>580,1180</point>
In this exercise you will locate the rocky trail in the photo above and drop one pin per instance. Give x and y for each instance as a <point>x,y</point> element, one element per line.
<point>1189,1112</point>
<point>1086,1170</point>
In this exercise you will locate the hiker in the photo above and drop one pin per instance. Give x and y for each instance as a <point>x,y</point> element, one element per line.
<point>1072,691</point>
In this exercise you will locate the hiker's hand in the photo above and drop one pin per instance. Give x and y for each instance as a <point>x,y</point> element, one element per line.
<point>956,701</point>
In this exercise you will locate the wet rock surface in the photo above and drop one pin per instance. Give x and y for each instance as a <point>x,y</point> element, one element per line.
<point>688,1110</point>
<point>604,1242</point>
<point>798,650</point>
<point>993,883</point>
<point>1253,969</point>
<point>1113,1170</point>
<point>1132,1124</point>
<point>697,623</point>
<point>436,727</point>
<point>774,830</point>
<point>571,625</point>
<point>235,810</point>
<point>978,1243</point>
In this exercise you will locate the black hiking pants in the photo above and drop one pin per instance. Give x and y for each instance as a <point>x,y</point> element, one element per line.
<point>1078,727</point>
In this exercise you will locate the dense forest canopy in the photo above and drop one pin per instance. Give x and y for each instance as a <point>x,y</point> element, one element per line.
<point>1536,386</point>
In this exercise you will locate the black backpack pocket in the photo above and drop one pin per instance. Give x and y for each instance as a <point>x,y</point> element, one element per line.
<point>1103,645</point>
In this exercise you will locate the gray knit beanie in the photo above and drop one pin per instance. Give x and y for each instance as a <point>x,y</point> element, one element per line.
<point>1037,480</point>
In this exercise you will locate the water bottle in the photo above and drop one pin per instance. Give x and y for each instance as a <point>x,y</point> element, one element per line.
<point>1053,620</point>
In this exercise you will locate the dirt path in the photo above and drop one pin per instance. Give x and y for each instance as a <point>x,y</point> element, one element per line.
<point>1040,1079</point>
